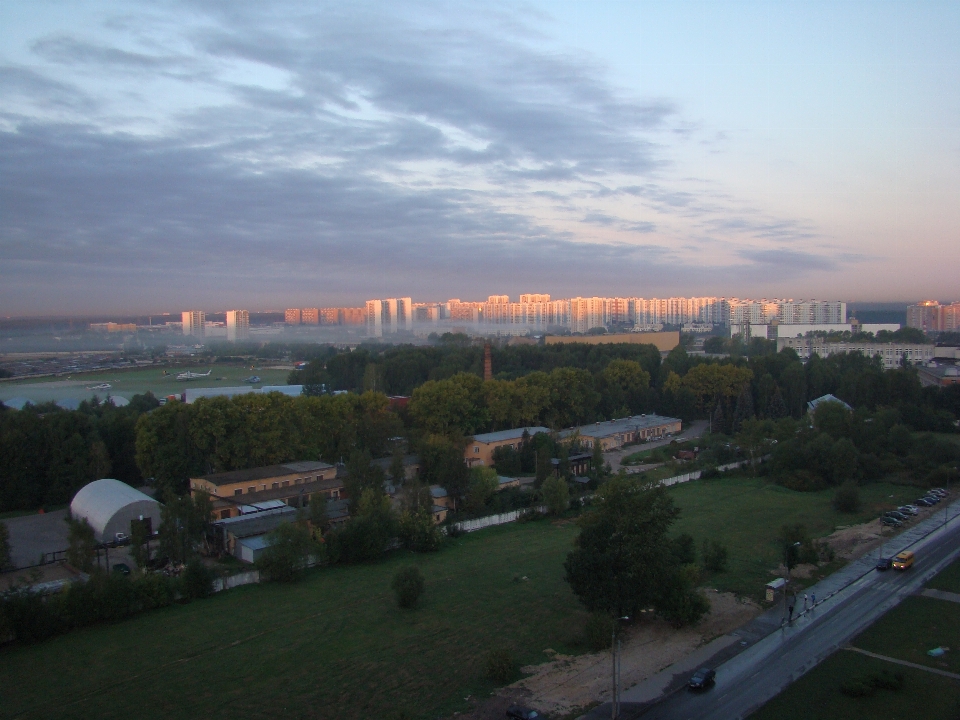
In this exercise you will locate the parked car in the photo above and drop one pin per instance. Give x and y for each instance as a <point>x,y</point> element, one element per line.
<point>121,569</point>
<point>923,502</point>
<point>121,539</point>
<point>906,510</point>
<point>522,713</point>
<point>891,521</point>
<point>939,492</point>
<point>933,498</point>
<point>942,491</point>
<point>912,508</point>
<point>702,679</point>
<point>902,517</point>
<point>884,564</point>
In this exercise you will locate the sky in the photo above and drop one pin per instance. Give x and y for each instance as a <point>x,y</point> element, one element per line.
<point>161,156</point>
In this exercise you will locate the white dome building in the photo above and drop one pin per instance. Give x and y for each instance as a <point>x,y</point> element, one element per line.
<point>110,506</point>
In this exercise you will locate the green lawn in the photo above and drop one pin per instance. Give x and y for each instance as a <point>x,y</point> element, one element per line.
<point>335,645</point>
<point>948,579</point>
<point>817,696</point>
<point>916,625</point>
<point>746,514</point>
<point>128,383</point>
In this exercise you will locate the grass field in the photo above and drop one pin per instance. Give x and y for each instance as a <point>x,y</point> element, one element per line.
<point>335,645</point>
<point>948,580</point>
<point>916,625</point>
<point>127,383</point>
<point>746,515</point>
<point>817,696</point>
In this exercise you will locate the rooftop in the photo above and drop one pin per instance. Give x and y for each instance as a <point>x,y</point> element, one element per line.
<point>268,471</point>
<point>514,434</point>
<point>623,425</point>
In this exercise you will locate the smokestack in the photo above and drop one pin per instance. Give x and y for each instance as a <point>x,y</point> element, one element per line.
<point>487,363</point>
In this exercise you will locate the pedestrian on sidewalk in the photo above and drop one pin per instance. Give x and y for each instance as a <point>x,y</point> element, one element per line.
<point>791,609</point>
<point>804,602</point>
<point>813,599</point>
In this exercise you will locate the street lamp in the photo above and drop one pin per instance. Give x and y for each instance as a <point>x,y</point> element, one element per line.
<point>786,585</point>
<point>615,653</point>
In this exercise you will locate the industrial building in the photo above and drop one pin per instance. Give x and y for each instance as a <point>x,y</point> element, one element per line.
<point>292,483</point>
<point>614,434</point>
<point>111,507</point>
<point>892,354</point>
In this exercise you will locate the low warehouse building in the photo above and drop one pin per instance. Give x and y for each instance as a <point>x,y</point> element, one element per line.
<point>111,506</point>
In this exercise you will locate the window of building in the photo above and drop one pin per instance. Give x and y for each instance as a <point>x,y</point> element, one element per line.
<point>274,486</point>
<point>238,491</point>
<point>476,448</point>
<point>285,483</point>
<point>252,489</point>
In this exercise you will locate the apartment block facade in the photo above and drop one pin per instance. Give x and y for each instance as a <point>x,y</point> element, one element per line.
<point>238,325</point>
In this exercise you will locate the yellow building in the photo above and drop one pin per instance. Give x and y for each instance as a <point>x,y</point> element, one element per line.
<point>292,483</point>
<point>664,341</point>
<point>480,449</point>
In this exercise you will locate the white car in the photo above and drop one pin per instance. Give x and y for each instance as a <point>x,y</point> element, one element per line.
<point>909,509</point>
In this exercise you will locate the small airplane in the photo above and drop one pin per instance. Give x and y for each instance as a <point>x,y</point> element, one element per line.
<point>102,386</point>
<point>192,375</point>
<point>252,379</point>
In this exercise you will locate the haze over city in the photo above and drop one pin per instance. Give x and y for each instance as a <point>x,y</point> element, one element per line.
<point>157,156</point>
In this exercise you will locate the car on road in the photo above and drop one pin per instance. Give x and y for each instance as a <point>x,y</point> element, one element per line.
<point>891,521</point>
<point>884,564</point>
<point>518,712</point>
<point>903,560</point>
<point>702,679</point>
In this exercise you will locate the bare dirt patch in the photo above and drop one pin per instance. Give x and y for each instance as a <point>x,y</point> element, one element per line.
<point>567,683</point>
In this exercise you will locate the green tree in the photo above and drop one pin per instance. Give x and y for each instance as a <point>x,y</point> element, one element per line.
<point>620,564</point>
<point>408,586</point>
<point>596,462</point>
<point>398,473</point>
<point>544,466</point>
<point>139,550</point>
<point>81,544</point>
<point>290,547</point>
<point>556,495</point>
<point>418,531</point>
<point>847,498</point>
<point>183,525</point>
<point>484,482</point>
<point>318,513</point>
<point>362,474</point>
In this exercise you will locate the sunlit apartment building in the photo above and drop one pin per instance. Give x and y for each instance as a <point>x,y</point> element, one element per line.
<point>238,325</point>
<point>292,316</point>
<point>389,316</point>
<point>931,316</point>
<point>310,316</point>
<point>193,321</point>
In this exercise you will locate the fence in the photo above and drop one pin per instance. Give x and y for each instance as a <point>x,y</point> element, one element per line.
<point>491,520</point>
<point>232,581</point>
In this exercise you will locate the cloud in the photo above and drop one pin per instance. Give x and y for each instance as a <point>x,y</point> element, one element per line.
<point>345,153</point>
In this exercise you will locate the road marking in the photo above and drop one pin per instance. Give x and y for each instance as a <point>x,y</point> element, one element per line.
<point>902,662</point>
<point>940,595</point>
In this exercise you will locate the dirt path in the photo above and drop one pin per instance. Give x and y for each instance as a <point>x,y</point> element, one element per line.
<point>567,683</point>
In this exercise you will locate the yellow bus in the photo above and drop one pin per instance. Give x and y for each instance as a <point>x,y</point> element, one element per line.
<point>903,560</point>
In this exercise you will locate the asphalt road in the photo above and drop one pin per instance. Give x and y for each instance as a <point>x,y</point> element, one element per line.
<point>760,672</point>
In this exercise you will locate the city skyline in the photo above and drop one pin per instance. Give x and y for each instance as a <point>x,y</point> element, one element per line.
<point>199,155</point>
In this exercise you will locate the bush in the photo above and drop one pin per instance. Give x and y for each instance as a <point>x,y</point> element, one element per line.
<point>284,559</point>
<point>408,585</point>
<point>683,549</point>
<point>887,680</point>
<point>714,556</point>
<point>857,688</point>
<point>556,495</point>
<point>196,580</point>
<point>847,498</point>
<point>500,665</point>
<point>419,533</point>
<point>598,631</point>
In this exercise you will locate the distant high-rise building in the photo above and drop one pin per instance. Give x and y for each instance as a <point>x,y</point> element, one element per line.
<point>375,318</point>
<point>310,316</point>
<point>292,316</point>
<point>352,316</point>
<point>238,325</point>
<point>193,322</point>
<point>931,316</point>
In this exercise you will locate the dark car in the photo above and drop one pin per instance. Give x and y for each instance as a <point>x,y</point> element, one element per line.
<point>902,517</point>
<point>121,569</point>
<point>702,679</point>
<point>933,498</point>
<point>892,521</point>
<point>522,713</point>
<point>884,563</point>
<point>923,502</point>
